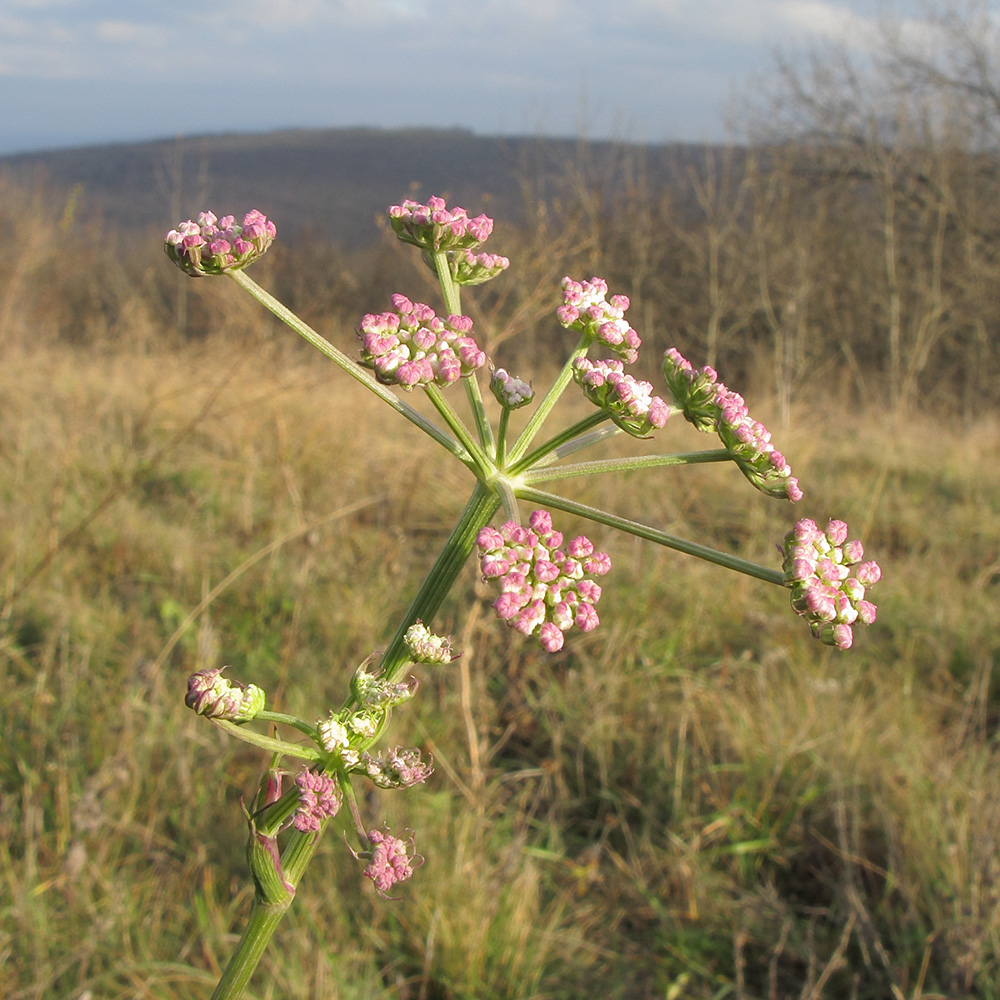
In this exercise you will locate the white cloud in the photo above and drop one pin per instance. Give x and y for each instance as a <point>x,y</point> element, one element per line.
<point>820,19</point>
<point>45,48</point>
<point>760,21</point>
<point>130,33</point>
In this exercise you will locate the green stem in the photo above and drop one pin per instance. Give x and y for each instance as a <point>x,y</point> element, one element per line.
<point>539,475</point>
<point>268,742</point>
<point>559,440</point>
<point>653,535</point>
<point>452,294</point>
<point>264,918</point>
<point>481,507</point>
<point>580,443</point>
<point>451,418</point>
<point>287,720</point>
<point>350,366</point>
<point>479,412</point>
<point>263,922</point>
<point>450,290</point>
<point>352,805</point>
<point>550,400</point>
<point>501,450</point>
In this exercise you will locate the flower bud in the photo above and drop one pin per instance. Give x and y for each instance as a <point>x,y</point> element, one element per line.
<point>371,689</point>
<point>212,695</point>
<point>434,227</point>
<point>510,392</point>
<point>544,591</point>
<point>319,798</point>
<point>709,405</point>
<point>426,647</point>
<point>412,345</point>
<point>586,310</point>
<point>333,734</point>
<point>627,400</point>
<point>468,268</point>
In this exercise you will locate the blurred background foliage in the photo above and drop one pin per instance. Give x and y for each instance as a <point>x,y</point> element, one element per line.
<point>696,800</point>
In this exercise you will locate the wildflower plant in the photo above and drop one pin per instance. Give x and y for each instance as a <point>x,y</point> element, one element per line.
<point>546,584</point>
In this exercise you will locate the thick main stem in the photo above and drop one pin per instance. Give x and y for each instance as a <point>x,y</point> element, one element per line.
<point>264,917</point>
<point>482,505</point>
<point>263,922</point>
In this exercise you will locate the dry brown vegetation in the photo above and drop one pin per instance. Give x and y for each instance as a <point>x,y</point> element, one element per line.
<point>696,800</point>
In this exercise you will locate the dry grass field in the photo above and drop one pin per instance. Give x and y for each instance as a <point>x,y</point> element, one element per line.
<point>696,800</point>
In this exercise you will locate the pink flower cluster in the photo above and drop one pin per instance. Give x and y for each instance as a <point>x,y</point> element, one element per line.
<point>828,580</point>
<point>510,391</point>
<point>392,860</point>
<point>709,405</point>
<point>470,268</point>
<point>212,245</point>
<point>694,389</point>
<point>413,346</point>
<point>585,310</point>
<point>216,697</point>
<point>628,401</point>
<point>396,768</point>
<point>426,647</point>
<point>434,227</point>
<point>543,587</point>
<point>319,797</point>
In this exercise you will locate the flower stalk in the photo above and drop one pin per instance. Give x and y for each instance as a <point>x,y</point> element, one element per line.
<point>548,586</point>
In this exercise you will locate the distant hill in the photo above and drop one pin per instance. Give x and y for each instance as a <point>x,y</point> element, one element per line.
<point>333,182</point>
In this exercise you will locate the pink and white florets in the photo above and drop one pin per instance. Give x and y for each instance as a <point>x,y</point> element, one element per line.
<point>586,310</point>
<point>711,406</point>
<point>545,589</point>
<point>627,400</point>
<point>412,345</point>
<point>212,245</point>
<point>436,227</point>
<point>510,391</point>
<point>396,768</point>
<point>468,268</point>
<point>319,798</point>
<point>392,860</point>
<point>828,580</point>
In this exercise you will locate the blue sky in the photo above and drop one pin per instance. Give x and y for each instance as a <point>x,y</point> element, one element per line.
<point>76,72</point>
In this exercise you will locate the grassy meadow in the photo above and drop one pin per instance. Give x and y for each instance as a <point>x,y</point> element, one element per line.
<point>696,800</point>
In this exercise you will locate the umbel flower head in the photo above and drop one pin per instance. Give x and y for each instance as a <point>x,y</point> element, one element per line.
<point>413,346</point>
<point>396,768</point>
<point>319,798</point>
<point>212,245</point>
<point>585,310</point>
<point>434,227</point>
<point>828,580</point>
<point>393,860</point>
<point>544,589</point>
<point>709,405</point>
<point>426,647</point>
<point>627,400</point>
<point>468,268</point>
<point>372,690</point>
<point>214,696</point>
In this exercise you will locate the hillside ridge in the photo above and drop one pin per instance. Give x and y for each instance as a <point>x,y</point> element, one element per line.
<point>329,182</point>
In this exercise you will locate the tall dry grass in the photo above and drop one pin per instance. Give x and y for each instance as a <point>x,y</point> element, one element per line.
<point>696,800</point>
